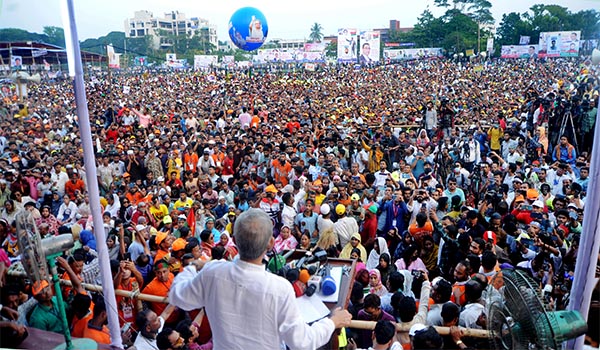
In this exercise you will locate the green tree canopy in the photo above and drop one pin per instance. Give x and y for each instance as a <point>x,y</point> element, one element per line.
<point>316,33</point>
<point>547,18</point>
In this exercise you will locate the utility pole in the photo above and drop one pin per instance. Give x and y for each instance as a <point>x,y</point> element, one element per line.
<point>478,37</point>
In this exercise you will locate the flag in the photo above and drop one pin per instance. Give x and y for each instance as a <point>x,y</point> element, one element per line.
<point>191,221</point>
<point>39,52</point>
<point>524,40</point>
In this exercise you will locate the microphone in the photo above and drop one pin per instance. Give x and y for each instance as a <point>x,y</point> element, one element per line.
<point>328,286</point>
<point>314,284</point>
<point>304,276</point>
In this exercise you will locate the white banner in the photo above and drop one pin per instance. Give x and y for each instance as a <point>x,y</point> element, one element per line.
<point>205,61</point>
<point>369,47</point>
<point>411,54</point>
<point>347,45</point>
<point>490,44</point>
<point>113,58</point>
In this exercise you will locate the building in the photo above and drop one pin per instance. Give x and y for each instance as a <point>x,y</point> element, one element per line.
<point>33,53</point>
<point>172,23</point>
<point>286,44</point>
<point>394,27</point>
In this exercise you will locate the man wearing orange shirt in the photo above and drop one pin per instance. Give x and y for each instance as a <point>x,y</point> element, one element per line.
<point>74,185</point>
<point>420,227</point>
<point>81,303</point>
<point>160,286</point>
<point>127,278</point>
<point>96,328</point>
<point>190,160</point>
<point>76,263</point>
<point>281,169</point>
<point>163,242</point>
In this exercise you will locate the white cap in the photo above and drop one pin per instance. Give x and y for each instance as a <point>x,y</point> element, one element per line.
<point>325,209</point>
<point>538,204</point>
<point>287,189</point>
<point>417,327</point>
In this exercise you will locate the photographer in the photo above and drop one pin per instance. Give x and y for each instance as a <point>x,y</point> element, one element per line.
<point>446,113</point>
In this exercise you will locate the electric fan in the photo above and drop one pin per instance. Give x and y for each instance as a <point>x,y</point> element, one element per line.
<point>36,255</point>
<point>520,320</point>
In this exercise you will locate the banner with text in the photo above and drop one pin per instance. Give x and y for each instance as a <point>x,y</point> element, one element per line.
<point>559,44</point>
<point>411,54</point>
<point>369,47</point>
<point>205,61</point>
<point>277,55</point>
<point>519,51</point>
<point>315,47</point>
<point>347,45</point>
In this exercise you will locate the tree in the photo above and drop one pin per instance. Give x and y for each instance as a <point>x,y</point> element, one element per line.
<point>461,31</point>
<point>511,28</point>
<point>480,11</point>
<point>547,18</point>
<point>331,50</point>
<point>316,33</point>
<point>14,34</point>
<point>456,4</point>
<point>56,35</point>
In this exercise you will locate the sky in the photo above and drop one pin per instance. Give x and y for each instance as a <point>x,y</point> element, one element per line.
<point>286,19</point>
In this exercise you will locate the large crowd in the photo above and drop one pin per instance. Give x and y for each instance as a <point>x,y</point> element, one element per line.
<point>432,175</point>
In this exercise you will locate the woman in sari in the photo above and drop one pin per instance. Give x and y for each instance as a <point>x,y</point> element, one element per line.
<point>429,254</point>
<point>48,219</point>
<point>285,240</point>
<point>354,243</point>
<point>385,267</point>
<point>375,283</point>
<point>380,247</point>
<point>230,248</point>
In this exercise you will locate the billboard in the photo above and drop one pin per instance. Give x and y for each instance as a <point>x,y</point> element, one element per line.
<point>347,45</point>
<point>204,61</point>
<point>559,44</point>
<point>113,58</point>
<point>369,47</point>
<point>315,47</point>
<point>140,61</point>
<point>519,51</point>
<point>228,61</point>
<point>277,55</point>
<point>173,62</point>
<point>411,54</point>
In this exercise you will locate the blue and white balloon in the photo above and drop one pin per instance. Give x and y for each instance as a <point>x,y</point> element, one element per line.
<point>248,28</point>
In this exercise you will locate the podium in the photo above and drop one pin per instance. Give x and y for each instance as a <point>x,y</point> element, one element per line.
<point>345,289</point>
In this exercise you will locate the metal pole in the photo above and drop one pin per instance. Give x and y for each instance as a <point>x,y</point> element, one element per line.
<point>59,298</point>
<point>92,181</point>
<point>584,280</point>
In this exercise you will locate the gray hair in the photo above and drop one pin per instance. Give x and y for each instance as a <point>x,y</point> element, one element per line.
<point>252,231</point>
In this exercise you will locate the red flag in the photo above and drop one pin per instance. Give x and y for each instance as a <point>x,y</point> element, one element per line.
<point>191,220</point>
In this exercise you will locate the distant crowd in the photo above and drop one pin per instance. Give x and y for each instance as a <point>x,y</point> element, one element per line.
<point>433,175</point>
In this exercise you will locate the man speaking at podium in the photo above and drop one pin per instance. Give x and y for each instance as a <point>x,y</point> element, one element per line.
<point>248,307</point>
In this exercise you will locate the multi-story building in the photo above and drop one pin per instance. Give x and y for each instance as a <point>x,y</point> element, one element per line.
<point>172,23</point>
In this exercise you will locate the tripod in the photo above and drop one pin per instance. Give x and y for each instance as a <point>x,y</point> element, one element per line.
<point>567,120</point>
